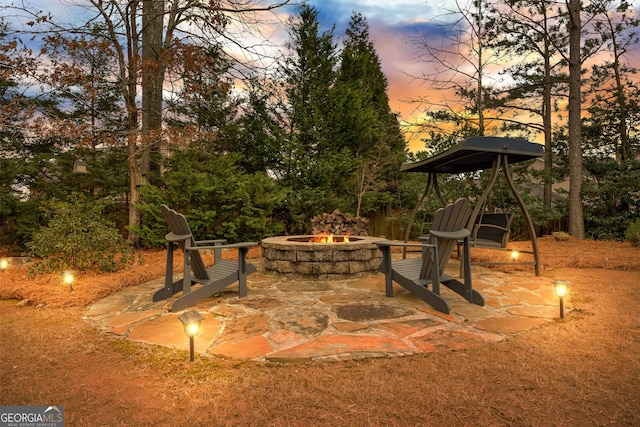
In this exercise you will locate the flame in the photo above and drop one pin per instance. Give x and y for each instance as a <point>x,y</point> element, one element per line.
<point>325,237</point>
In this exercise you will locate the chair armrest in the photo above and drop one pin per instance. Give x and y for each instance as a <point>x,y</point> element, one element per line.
<point>392,243</point>
<point>453,235</point>
<point>211,242</point>
<point>172,237</point>
<point>229,246</point>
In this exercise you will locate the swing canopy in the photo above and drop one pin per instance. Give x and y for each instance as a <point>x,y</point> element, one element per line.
<point>477,153</point>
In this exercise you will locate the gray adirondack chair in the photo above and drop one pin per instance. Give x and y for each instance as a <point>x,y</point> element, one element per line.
<point>415,274</point>
<point>213,279</point>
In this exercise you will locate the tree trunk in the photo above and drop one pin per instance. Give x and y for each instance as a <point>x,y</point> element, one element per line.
<point>576,214</point>
<point>623,151</point>
<point>133,161</point>
<point>480,95</point>
<point>136,181</point>
<point>139,149</point>
<point>152,78</point>
<point>546,119</point>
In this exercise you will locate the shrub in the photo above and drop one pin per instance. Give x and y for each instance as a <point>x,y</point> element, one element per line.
<point>219,199</point>
<point>610,197</point>
<point>633,233</point>
<point>79,237</point>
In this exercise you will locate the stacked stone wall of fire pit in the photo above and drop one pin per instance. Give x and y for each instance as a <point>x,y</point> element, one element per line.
<point>340,224</point>
<point>296,255</point>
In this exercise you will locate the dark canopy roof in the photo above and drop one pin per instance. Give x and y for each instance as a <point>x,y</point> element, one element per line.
<point>477,153</point>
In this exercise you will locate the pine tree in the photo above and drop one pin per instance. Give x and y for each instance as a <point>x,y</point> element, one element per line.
<point>309,77</point>
<point>366,125</point>
<point>613,86</point>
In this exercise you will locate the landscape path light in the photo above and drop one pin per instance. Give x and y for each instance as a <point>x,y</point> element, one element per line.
<point>514,255</point>
<point>68,278</point>
<point>561,287</point>
<point>4,264</point>
<point>191,321</point>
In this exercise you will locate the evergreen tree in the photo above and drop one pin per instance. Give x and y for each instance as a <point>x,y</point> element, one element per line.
<point>308,164</point>
<point>262,130</point>
<point>309,77</point>
<point>205,107</point>
<point>14,111</point>
<point>364,122</point>
<point>534,34</point>
<point>612,124</point>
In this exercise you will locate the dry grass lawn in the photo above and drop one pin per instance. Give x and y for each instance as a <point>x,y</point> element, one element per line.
<point>583,370</point>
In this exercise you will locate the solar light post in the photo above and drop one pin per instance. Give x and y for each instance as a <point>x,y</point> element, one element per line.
<point>68,278</point>
<point>191,322</point>
<point>561,287</point>
<point>4,264</point>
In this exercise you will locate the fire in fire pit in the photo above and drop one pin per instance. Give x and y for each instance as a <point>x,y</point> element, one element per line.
<point>325,237</point>
<point>298,255</point>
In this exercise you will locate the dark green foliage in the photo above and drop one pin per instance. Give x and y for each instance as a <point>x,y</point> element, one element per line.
<point>315,136</point>
<point>43,133</point>
<point>339,146</point>
<point>632,234</point>
<point>261,132</point>
<point>39,170</point>
<point>77,236</point>
<point>219,199</point>
<point>309,75</point>
<point>611,197</point>
<point>613,89</point>
<point>206,103</point>
<point>366,126</point>
<point>9,203</point>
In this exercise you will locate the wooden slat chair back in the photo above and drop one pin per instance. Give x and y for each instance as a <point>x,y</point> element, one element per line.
<point>416,274</point>
<point>213,279</point>
<point>180,227</point>
<point>452,217</point>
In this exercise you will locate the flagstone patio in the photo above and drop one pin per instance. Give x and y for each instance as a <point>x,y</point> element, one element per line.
<point>285,318</point>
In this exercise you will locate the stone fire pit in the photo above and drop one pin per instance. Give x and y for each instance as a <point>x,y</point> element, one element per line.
<point>296,255</point>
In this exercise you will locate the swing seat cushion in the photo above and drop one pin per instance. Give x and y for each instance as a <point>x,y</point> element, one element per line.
<point>491,230</point>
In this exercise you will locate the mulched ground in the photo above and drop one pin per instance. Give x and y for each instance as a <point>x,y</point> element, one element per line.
<point>50,291</point>
<point>583,370</point>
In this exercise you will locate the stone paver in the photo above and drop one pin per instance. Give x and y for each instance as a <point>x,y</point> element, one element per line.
<point>246,349</point>
<point>442,339</point>
<point>508,325</point>
<point>336,347</point>
<point>285,318</point>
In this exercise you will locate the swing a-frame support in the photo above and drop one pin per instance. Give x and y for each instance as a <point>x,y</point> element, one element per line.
<point>475,154</point>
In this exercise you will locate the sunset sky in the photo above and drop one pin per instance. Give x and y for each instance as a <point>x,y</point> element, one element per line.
<point>392,25</point>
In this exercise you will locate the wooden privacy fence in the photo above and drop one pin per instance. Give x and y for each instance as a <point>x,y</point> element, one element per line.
<point>389,225</point>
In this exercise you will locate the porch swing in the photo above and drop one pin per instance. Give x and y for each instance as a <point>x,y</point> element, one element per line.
<point>492,230</point>
<point>488,230</point>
